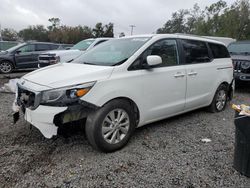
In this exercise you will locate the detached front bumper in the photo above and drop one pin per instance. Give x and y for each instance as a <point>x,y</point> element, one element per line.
<point>43,119</point>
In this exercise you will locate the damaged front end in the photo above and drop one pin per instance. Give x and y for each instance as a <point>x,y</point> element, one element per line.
<point>49,109</point>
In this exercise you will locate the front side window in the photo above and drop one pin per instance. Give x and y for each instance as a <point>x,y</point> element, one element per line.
<point>112,52</point>
<point>83,45</point>
<point>166,49</point>
<point>27,48</point>
<point>195,51</point>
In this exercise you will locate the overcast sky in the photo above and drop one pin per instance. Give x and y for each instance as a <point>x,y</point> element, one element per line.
<point>146,15</point>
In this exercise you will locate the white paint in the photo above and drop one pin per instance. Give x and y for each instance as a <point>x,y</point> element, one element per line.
<point>158,93</point>
<point>42,118</point>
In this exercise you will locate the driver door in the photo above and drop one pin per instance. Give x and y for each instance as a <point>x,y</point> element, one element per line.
<point>162,88</point>
<point>25,56</point>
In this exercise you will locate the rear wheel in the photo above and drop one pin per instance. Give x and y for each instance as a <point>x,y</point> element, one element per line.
<point>220,99</point>
<point>6,67</point>
<point>110,128</point>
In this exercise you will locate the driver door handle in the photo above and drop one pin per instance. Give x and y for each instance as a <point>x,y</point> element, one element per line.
<point>192,73</point>
<point>179,75</point>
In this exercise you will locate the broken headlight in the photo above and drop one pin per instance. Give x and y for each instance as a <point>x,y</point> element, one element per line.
<point>66,94</point>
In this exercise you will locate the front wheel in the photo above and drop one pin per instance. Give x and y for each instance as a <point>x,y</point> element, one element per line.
<point>110,127</point>
<point>6,67</point>
<point>220,99</point>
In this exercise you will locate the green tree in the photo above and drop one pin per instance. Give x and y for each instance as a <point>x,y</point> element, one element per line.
<point>55,23</point>
<point>36,32</point>
<point>103,31</point>
<point>9,34</point>
<point>218,19</point>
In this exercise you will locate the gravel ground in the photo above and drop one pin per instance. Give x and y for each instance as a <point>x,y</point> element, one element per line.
<point>168,153</point>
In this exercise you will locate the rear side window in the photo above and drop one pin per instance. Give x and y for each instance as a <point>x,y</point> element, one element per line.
<point>42,47</point>
<point>195,51</point>
<point>219,51</point>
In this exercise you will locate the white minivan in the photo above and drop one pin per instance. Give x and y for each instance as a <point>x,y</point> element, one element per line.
<point>127,83</point>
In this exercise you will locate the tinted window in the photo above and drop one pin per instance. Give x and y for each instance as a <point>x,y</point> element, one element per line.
<point>42,47</point>
<point>166,49</point>
<point>219,51</point>
<point>195,51</point>
<point>27,48</point>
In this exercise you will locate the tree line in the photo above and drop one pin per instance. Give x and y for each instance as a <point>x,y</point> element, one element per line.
<point>58,33</point>
<point>218,19</point>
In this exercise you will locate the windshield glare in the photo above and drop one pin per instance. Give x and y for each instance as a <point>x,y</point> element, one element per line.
<point>83,45</point>
<point>239,48</point>
<point>112,52</point>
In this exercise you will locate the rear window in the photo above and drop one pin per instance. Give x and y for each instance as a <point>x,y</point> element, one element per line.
<point>219,51</point>
<point>195,51</point>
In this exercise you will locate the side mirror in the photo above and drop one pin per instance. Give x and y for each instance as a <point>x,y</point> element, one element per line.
<point>18,51</point>
<point>154,60</point>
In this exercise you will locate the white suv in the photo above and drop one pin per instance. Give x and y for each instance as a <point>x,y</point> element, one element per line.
<point>127,83</point>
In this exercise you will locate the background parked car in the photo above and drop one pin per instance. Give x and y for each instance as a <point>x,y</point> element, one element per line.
<point>52,57</point>
<point>240,54</point>
<point>24,55</point>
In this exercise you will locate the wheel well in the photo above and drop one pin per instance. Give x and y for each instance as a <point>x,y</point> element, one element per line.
<point>9,62</point>
<point>229,89</point>
<point>133,104</point>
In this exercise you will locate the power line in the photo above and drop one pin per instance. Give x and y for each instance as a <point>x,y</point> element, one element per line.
<point>132,28</point>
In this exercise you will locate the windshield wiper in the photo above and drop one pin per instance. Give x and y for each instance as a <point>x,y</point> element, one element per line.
<point>88,63</point>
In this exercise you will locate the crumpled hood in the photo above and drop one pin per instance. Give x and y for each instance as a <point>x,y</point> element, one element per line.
<point>66,74</point>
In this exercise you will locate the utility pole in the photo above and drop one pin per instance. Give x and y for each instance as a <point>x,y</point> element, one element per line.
<point>132,28</point>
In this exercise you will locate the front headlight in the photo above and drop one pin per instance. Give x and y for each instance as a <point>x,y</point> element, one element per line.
<point>66,94</point>
<point>245,64</point>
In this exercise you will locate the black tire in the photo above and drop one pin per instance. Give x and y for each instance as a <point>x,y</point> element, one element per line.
<point>6,67</point>
<point>96,122</point>
<point>218,104</point>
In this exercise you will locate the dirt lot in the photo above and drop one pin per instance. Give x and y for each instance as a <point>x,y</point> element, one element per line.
<point>168,153</point>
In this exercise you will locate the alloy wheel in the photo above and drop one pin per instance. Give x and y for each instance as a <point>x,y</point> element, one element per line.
<point>115,126</point>
<point>221,100</point>
<point>5,67</point>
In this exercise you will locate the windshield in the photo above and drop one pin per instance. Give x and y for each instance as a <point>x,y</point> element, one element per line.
<point>15,47</point>
<point>239,48</point>
<point>112,52</point>
<point>83,45</point>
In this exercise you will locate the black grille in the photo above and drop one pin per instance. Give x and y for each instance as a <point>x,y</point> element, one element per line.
<point>25,98</point>
<point>238,68</point>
